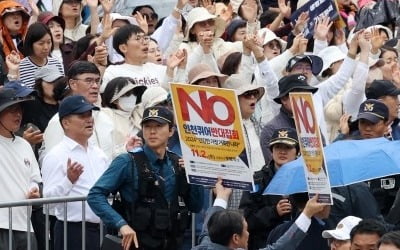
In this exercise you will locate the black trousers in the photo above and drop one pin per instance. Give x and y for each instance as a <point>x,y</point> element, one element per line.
<point>74,236</point>
<point>19,240</point>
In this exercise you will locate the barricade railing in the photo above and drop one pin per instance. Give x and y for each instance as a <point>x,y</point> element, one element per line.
<point>46,203</point>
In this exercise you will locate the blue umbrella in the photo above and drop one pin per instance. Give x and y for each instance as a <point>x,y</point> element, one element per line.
<point>348,162</point>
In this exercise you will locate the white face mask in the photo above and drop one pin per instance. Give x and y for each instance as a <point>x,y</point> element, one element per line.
<point>127,103</point>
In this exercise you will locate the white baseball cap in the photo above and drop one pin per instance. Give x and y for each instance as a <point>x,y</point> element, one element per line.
<point>343,228</point>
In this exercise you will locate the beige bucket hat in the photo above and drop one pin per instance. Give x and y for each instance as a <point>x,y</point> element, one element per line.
<point>202,71</point>
<point>200,14</point>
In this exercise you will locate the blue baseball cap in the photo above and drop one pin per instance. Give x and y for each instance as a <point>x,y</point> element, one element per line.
<point>75,104</point>
<point>20,89</point>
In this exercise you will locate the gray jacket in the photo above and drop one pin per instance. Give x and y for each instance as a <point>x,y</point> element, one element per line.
<point>290,240</point>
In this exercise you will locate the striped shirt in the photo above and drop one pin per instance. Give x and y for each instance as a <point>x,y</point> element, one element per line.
<point>27,70</point>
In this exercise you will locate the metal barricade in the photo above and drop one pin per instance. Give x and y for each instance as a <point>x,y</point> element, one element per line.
<point>46,201</point>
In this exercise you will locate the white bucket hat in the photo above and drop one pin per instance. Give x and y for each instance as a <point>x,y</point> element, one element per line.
<point>153,96</point>
<point>343,228</point>
<point>241,85</point>
<point>330,55</point>
<point>270,36</point>
<point>388,31</point>
<point>200,14</point>
<point>117,16</point>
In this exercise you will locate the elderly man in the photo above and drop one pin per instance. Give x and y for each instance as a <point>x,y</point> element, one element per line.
<point>70,169</point>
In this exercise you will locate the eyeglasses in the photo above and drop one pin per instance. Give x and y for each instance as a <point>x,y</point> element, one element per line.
<point>152,16</point>
<point>90,81</point>
<point>141,38</point>
<point>251,93</point>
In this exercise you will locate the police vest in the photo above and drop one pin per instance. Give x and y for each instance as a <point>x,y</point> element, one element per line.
<point>159,224</point>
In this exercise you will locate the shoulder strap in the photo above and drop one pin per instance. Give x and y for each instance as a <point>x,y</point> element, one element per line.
<point>174,159</point>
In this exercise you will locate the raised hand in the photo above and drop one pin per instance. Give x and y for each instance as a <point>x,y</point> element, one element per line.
<point>284,8</point>
<point>301,23</point>
<point>344,124</point>
<point>74,170</point>
<point>108,30</point>
<point>209,5</point>
<point>321,28</point>
<point>133,142</point>
<point>249,11</point>
<point>376,40</point>
<point>142,21</point>
<point>220,191</point>
<point>225,12</point>
<point>107,5</point>
<point>12,61</point>
<point>92,3</point>
<point>35,10</point>
<point>174,60</point>
<point>313,207</point>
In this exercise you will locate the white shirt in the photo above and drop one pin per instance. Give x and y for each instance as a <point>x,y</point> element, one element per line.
<point>19,174</point>
<point>56,182</point>
<point>103,127</point>
<point>148,74</point>
<point>254,152</point>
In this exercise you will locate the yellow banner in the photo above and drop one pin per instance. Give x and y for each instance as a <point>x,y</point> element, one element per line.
<point>211,133</point>
<point>311,146</point>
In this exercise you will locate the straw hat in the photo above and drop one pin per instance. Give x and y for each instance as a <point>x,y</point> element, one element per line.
<point>202,71</point>
<point>200,14</point>
<point>241,85</point>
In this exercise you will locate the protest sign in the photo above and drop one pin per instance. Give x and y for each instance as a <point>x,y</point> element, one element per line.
<point>210,130</point>
<point>311,148</point>
<point>315,9</point>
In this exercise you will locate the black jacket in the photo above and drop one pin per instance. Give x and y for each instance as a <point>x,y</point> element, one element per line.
<point>313,240</point>
<point>356,200</point>
<point>260,210</point>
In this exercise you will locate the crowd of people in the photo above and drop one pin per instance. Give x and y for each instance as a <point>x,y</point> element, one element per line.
<point>86,110</point>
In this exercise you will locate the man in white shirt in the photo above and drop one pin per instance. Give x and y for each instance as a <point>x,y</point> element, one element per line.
<point>70,169</point>
<point>20,174</point>
<point>131,42</point>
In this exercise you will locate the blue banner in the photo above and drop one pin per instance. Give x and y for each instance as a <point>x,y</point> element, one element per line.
<point>315,9</point>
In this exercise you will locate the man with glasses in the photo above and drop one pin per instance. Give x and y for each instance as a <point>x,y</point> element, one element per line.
<point>132,43</point>
<point>83,79</point>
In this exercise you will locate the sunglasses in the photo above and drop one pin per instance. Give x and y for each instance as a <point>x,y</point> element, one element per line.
<point>251,93</point>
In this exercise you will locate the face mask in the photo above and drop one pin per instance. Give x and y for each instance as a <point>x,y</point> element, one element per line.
<point>127,103</point>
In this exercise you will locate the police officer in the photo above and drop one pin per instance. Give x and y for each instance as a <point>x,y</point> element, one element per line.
<point>151,182</point>
<point>373,122</point>
<point>265,212</point>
